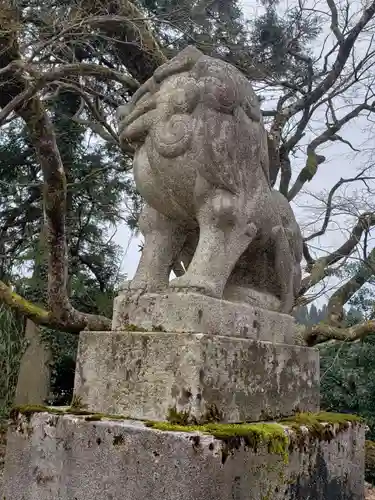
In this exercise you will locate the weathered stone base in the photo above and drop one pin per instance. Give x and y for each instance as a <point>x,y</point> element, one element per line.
<point>55,457</point>
<point>145,375</point>
<point>195,313</point>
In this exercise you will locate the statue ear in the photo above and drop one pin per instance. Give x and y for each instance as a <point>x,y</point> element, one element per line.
<point>184,61</point>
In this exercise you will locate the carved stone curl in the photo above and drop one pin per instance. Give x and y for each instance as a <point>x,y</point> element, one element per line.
<point>201,165</point>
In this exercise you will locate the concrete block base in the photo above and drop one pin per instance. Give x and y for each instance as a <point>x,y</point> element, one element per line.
<point>68,457</point>
<point>196,313</point>
<point>145,375</point>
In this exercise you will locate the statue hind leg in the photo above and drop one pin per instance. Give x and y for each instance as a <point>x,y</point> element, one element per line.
<point>164,239</point>
<point>284,267</point>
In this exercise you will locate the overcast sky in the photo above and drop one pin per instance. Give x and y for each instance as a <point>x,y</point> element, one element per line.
<point>341,162</point>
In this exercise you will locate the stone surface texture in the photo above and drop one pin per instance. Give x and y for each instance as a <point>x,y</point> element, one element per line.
<point>195,313</point>
<point>144,375</point>
<point>67,458</point>
<point>201,165</point>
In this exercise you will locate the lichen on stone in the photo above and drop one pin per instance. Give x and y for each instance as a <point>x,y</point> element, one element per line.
<point>133,328</point>
<point>29,410</point>
<point>158,328</point>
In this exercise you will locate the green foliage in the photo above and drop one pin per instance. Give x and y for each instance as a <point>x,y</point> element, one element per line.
<point>63,348</point>
<point>347,369</point>
<point>280,42</point>
<point>273,44</point>
<point>12,346</point>
<point>98,186</point>
<point>216,27</point>
<point>348,379</point>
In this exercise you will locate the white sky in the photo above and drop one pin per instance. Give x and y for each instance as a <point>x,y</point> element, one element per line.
<point>341,162</point>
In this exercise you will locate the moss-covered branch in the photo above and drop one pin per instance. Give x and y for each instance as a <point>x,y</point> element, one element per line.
<point>322,332</point>
<point>41,316</point>
<point>332,327</point>
<point>23,306</point>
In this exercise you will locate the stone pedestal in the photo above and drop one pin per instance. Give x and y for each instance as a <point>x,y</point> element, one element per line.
<point>68,457</point>
<point>149,375</point>
<point>132,386</point>
<point>196,313</point>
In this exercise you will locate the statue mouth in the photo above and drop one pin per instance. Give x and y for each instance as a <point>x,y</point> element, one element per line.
<point>142,107</point>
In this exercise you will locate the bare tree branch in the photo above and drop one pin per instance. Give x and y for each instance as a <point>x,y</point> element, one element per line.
<point>42,79</point>
<point>335,21</point>
<point>345,48</point>
<point>328,212</point>
<point>314,160</point>
<point>319,268</point>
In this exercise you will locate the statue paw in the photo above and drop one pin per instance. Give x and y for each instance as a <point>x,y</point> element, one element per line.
<point>129,287</point>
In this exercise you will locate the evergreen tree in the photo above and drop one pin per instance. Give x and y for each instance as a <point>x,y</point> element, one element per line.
<point>280,43</point>
<point>98,184</point>
<point>312,316</point>
<point>273,45</point>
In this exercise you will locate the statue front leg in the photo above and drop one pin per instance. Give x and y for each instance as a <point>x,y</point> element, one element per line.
<point>225,232</point>
<point>164,239</point>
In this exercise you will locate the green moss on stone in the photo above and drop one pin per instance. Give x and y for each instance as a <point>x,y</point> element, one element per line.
<point>77,402</point>
<point>322,425</point>
<point>341,419</point>
<point>211,415</point>
<point>271,435</point>
<point>178,418</point>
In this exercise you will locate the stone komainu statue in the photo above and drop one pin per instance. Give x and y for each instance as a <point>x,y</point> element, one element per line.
<point>201,165</point>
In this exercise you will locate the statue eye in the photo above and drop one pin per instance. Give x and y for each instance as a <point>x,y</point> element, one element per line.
<point>220,94</point>
<point>186,98</point>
